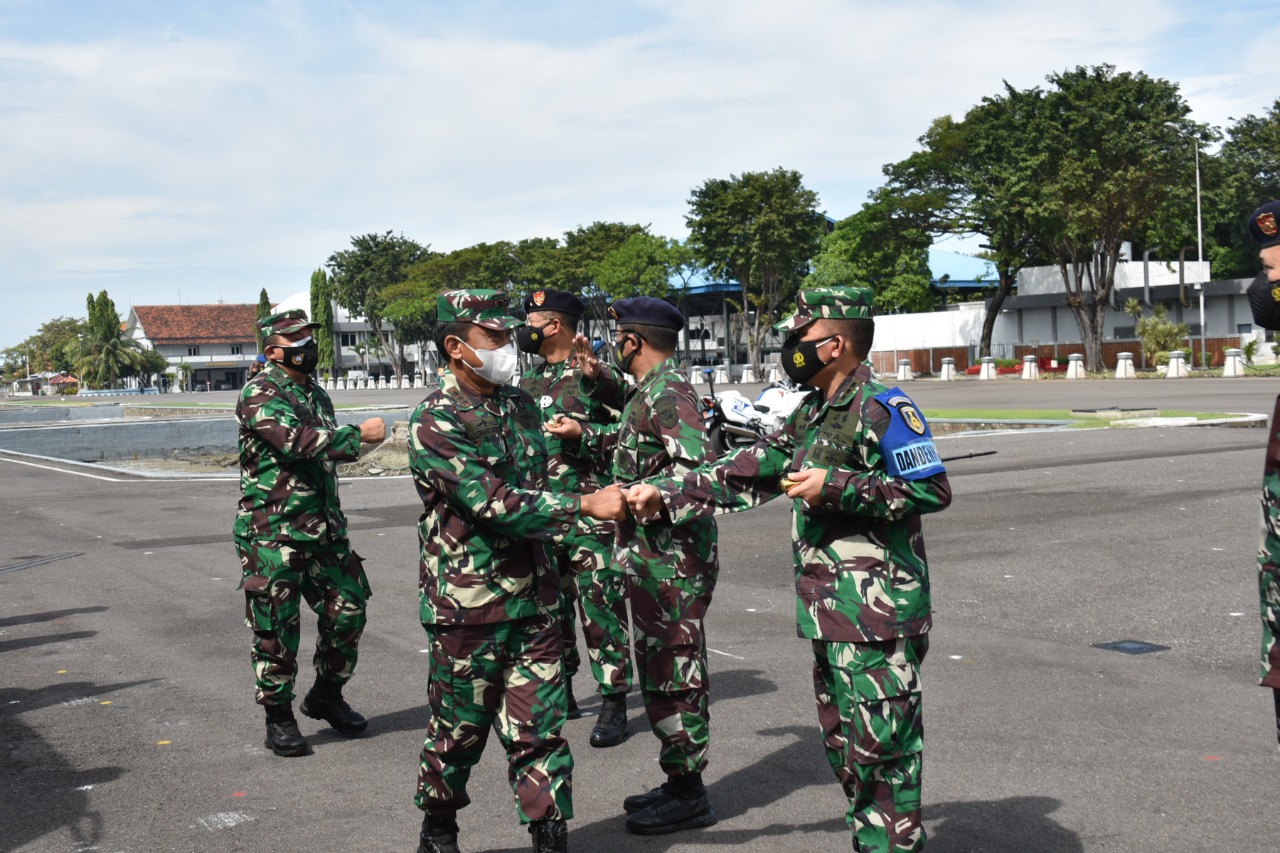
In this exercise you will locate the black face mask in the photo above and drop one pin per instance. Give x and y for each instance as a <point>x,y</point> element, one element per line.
<point>301,357</point>
<point>529,339</point>
<point>800,358</point>
<point>622,362</point>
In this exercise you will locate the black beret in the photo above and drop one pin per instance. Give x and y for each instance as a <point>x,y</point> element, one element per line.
<point>647,311</point>
<point>1264,225</point>
<point>554,300</point>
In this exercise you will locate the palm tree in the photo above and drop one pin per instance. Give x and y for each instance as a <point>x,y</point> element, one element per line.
<point>104,355</point>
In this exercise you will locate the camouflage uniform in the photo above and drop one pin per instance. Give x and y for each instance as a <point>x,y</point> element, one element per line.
<point>671,571</point>
<point>1264,300</point>
<point>290,533</point>
<point>862,583</point>
<point>587,573</point>
<point>488,586</point>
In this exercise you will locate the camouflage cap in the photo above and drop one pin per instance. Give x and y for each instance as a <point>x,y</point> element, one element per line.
<point>489,309</point>
<point>829,303</point>
<point>285,322</point>
<point>1264,225</point>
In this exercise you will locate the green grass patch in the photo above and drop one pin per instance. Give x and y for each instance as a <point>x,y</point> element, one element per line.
<point>1077,422</point>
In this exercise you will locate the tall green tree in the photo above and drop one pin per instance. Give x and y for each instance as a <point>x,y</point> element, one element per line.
<point>883,247</point>
<point>1107,163</point>
<point>322,313</point>
<point>978,176</point>
<point>759,229</point>
<point>642,265</point>
<point>264,310</point>
<point>105,355</point>
<point>362,275</point>
<point>411,304</point>
<point>53,348</point>
<point>1244,174</point>
<point>579,259</point>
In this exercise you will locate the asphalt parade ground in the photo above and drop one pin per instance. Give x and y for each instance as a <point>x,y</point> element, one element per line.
<point>127,720</point>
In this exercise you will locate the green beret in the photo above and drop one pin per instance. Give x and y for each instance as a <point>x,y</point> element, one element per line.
<point>829,303</point>
<point>490,309</point>
<point>285,322</point>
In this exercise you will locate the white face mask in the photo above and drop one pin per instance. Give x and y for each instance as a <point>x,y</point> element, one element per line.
<point>496,365</point>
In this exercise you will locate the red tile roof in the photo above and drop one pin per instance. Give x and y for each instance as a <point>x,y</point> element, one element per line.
<point>176,324</point>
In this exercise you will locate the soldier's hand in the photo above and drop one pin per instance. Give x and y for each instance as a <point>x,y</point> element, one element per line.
<point>373,431</point>
<point>585,358</point>
<point>605,505</point>
<point>645,501</point>
<point>563,427</point>
<point>806,485</point>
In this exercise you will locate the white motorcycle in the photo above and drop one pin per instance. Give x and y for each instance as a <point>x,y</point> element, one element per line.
<point>732,420</point>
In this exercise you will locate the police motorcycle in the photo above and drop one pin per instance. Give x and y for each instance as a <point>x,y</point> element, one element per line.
<point>732,420</point>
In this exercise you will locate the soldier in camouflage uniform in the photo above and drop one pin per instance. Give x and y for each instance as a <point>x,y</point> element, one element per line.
<point>859,462</point>
<point>587,573</point>
<point>488,583</point>
<point>671,572</point>
<point>291,535</point>
<point>1264,298</point>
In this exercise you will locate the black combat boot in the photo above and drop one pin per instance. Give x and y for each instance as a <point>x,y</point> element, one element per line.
<point>324,702</point>
<point>611,728</point>
<point>439,834</point>
<point>681,803</point>
<point>550,836</point>
<point>574,712</point>
<point>283,737</point>
<point>640,802</point>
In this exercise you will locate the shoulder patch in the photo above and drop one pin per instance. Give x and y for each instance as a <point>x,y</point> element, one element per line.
<point>907,444</point>
<point>667,412</point>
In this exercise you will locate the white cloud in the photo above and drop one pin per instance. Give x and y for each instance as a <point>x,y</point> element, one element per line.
<point>235,154</point>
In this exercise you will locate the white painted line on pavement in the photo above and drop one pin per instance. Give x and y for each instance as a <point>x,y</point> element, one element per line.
<point>726,654</point>
<point>61,470</point>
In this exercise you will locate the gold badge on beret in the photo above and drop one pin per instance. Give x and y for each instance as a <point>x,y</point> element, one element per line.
<point>613,312</point>
<point>1267,224</point>
<point>539,298</point>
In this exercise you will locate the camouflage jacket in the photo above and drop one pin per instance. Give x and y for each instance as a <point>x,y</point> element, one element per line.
<point>290,444</point>
<point>660,433</point>
<point>556,389</point>
<point>861,573</point>
<point>487,526</point>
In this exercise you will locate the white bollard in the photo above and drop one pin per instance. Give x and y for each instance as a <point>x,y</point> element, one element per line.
<point>1030,367</point>
<point>1177,365</point>
<point>988,368</point>
<point>1234,364</point>
<point>721,376</point>
<point>748,375</point>
<point>1075,366</point>
<point>904,370</point>
<point>948,370</point>
<point>1124,366</point>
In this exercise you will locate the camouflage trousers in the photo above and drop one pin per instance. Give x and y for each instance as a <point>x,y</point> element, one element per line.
<point>330,577</point>
<point>1269,577</point>
<point>504,676</point>
<point>671,656</point>
<point>870,713</point>
<point>588,579</point>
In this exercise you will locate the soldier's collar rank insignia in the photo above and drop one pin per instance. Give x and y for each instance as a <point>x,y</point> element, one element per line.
<point>1275,293</point>
<point>1267,224</point>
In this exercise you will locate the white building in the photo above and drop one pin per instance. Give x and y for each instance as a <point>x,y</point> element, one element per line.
<point>219,342</point>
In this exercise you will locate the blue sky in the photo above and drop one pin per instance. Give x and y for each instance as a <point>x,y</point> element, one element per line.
<point>188,151</point>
